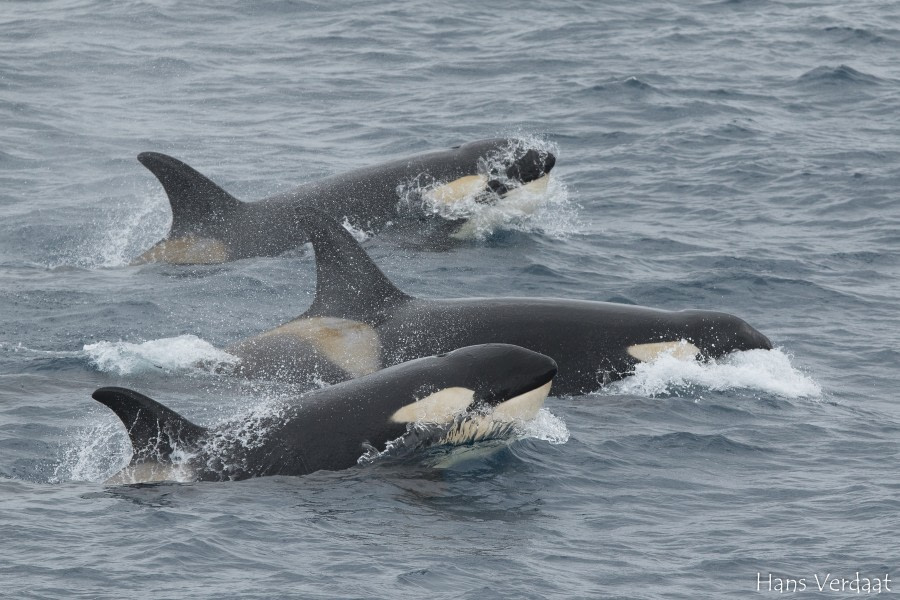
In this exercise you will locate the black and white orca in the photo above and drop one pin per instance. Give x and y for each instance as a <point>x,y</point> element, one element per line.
<point>468,395</point>
<point>360,322</point>
<point>211,226</point>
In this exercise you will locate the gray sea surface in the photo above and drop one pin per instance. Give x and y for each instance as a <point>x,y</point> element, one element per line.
<point>738,155</point>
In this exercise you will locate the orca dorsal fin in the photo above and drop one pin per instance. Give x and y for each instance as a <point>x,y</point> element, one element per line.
<point>154,430</point>
<point>348,284</point>
<point>198,204</point>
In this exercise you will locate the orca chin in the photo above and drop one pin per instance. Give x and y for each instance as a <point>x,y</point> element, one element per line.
<point>498,423</point>
<point>210,226</point>
<point>469,395</point>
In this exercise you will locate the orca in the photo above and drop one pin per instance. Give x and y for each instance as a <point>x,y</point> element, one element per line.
<point>465,396</point>
<point>210,226</point>
<point>360,321</point>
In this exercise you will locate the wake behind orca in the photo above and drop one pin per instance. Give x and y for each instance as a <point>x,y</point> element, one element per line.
<point>210,226</point>
<point>360,322</point>
<point>465,396</point>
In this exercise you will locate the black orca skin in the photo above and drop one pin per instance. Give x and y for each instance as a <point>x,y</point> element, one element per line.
<point>593,342</point>
<point>331,428</point>
<point>210,226</point>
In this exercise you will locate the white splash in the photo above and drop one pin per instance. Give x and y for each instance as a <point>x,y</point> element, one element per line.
<point>123,229</point>
<point>547,427</point>
<point>184,352</point>
<point>102,452</point>
<point>531,208</point>
<point>768,371</point>
<point>540,206</point>
<point>360,234</point>
<point>94,453</point>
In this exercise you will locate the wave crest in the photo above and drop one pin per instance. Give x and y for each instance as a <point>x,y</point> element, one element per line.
<point>181,353</point>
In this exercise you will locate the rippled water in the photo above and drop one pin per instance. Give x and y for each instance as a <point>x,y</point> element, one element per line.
<point>738,155</point>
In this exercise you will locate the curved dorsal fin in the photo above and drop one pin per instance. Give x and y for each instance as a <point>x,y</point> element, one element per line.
<point>154,429</point>
<point>197,203</point>
<point>348,284</point>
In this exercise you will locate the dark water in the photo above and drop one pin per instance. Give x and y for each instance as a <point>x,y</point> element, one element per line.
<point>741,156</point>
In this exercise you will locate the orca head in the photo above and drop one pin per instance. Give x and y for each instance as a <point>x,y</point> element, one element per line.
<point>519,166</point>
<point>490,385</point>
<point>496,169</point>
<point>498,373</point>
<point>511,158</point>
<point>530,165</point>
<point>716,334</point>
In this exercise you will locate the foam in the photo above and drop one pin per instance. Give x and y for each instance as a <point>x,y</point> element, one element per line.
<point>547,427</point>
<point>181,353</point>
<point>767,371</point>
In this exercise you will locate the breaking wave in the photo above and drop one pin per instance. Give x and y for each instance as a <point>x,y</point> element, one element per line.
<point>181,353</point>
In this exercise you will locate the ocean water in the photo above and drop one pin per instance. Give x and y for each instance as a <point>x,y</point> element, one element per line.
<point>738,155</point>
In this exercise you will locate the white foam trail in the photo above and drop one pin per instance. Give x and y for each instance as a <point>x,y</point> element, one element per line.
<point>184,352</point>
<point>768,371</point>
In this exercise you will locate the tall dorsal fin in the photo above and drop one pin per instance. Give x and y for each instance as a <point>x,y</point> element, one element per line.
<point>348,284</point>
<point>198,204</point>
<point>153,428</point>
